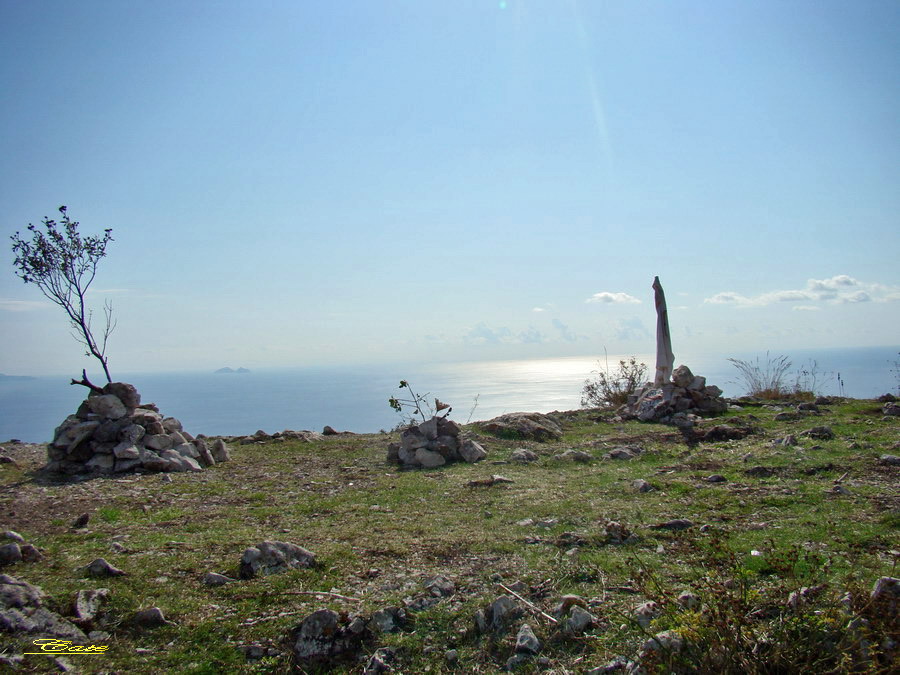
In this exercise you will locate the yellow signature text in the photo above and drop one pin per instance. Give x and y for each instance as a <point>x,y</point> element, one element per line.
<point>52,646</point>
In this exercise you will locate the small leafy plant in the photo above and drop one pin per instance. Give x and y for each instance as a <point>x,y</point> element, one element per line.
<point>417,405</point>
<point>896,371</point>
<point>614,388</point>
<point>807,379</point>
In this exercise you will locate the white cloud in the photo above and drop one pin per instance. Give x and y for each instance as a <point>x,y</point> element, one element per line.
<point>532,336</point>
<point>728,298</point>
<point>840,289</point>
<point>785,296</point>
<point>22,305</point>
<point>482,334</point>
<point>805,308</point>
<point>859,296</point>
<point>613,298</point>
<point>631,329</point>
<point>564,332</point>
<point>832,284</point>
<point>538,309</point>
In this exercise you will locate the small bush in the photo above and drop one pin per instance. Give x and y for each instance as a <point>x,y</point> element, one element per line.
<point>614,388</point>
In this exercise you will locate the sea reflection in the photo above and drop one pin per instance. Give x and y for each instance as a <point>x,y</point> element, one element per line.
<point>533,385</point>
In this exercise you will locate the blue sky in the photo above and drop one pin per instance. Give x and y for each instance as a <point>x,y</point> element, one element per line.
<point>293,183</point>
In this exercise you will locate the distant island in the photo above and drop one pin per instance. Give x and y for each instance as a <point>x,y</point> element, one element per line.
<point>4,378</point>
<point>226,369</point>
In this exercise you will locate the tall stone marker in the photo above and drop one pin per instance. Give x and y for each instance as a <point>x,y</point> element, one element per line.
<point>665,359</point>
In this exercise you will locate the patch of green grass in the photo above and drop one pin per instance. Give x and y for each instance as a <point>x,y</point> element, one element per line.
<point>379,533</point>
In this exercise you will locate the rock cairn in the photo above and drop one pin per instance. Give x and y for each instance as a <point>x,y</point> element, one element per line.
<point>112,432</point>
<point>433,443</point>
<point>677,402</point>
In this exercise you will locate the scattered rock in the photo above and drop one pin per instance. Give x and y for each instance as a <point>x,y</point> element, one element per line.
<point>12,535</point>
<point>625,452</point>
<point>526,641</point>
<point>440,587</point>
<point>646,612</point>
<point>496,616</point>
<point>578,621</point>
<point>523,456</point>
<point>618,665</point>
<point>152,617</point>
<point>891,410</point>
<point>220,451</point>
<point>22,611</point>
<point>889,460</point>
<point>101,568</point>
<point>886,595</point>
<point>428,459</point>
<point>615,533</point>
<point>274,557</point>
<point>819,433</point>
<point>516,661</point>
<point>324,639</point>
<point>674,525</point>
<point>496,479</point>
<point>668,642</point>
<point>533,426</point>
<point>786,441</point>
<point>10,554</point>
<point>760,472</point>
<point>87,605</point>
<point>640,485</point>
<point>575,456</point>
<point>81,521</point>
<point>472,452</point>
<point>688,600</point>
<point>567,602</point>
<point>215,579</point>
<point>716,478</point>
<point>724,432</point>
<point>388,620</point>
<point>380,662</point>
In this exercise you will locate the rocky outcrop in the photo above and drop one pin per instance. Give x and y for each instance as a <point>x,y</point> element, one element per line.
<point>273,557</point>
<point>677,402</point>
<point>113,433</point>
<point>325,638</point>
<point>529,426</point>
<point>22,612</point>
<point>434,443</point>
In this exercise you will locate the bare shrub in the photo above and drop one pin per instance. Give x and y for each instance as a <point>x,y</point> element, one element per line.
<point>764,380</point>
<point>613,388</point>
<point>62,264</point>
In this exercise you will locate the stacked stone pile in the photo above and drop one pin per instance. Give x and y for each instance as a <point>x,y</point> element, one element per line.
<point>113,433</point>
<point>676,402</point>
<point>433,443</point>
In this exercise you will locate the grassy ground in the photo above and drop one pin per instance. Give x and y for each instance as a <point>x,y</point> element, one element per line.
<point>379,534</point>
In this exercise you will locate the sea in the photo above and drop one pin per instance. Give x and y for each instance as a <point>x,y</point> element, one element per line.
<point>355,398</point>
